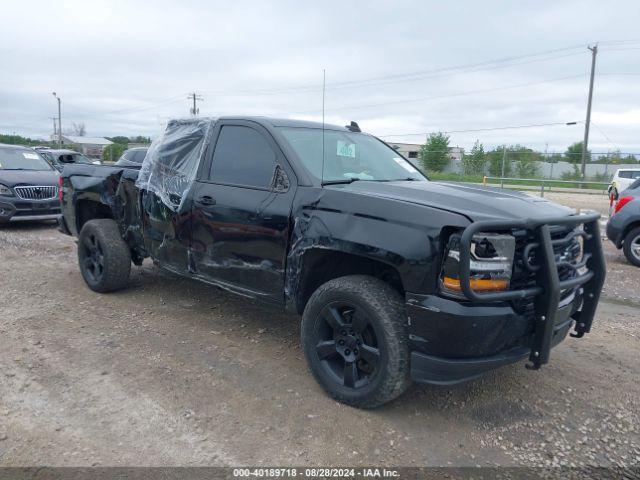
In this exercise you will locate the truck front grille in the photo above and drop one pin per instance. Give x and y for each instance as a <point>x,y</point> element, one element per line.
<point>566,254</point>
<point>36,192</point>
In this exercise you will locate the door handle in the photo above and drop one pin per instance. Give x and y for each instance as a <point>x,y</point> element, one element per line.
<point>206,200</point>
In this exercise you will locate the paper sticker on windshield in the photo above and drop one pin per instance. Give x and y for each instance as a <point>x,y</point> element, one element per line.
<point>404,164</point>
<point>31,156</point>
<point>346,149</point>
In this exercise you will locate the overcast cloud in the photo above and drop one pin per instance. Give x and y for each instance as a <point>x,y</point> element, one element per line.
<point>124,67</point>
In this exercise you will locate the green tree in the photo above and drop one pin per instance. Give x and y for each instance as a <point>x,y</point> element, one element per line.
<point>19,140</point>
<point>140,139</point>
<point>113,152</point>
<point>525,161</point>
<point>495,157</point>
<point>475,162</point>
<point>554,158</point>
<point>119,139</point>
<point>435,153</point>
<point>574,174</point>
<point>573,154</point>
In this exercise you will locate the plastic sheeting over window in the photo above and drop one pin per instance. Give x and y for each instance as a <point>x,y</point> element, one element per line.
<point>172,160</point>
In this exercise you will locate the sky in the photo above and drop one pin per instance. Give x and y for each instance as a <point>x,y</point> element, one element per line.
<point>400,69</point>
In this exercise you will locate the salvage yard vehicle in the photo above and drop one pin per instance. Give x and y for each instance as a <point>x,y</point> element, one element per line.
<point>28,186</point>
<point>58,158</point>
<point>622,179</point>
<point>132,157</point>
<point>623,227</point>
<point>397,278</point>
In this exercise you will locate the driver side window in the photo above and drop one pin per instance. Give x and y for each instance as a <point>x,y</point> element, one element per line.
<point>242,157</point>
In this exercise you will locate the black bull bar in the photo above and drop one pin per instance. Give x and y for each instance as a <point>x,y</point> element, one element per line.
<point>548,286</point>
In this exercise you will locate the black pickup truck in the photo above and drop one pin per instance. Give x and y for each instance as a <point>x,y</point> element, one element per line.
<point>397,278</point>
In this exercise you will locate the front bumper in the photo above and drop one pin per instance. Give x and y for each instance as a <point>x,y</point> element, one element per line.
<point>453,342</point>
<point>615,227</point>
<point>13,209</point>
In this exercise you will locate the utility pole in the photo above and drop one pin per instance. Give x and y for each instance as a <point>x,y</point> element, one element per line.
<point>195,98</point>
<point>585,143</point>
<point>504,159</point>
<point>59,121</point>
<point>55,134</point>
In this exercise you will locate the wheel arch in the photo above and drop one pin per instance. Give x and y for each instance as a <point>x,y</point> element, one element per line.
<point>630,226</point>
<point>87,209</point>
<point>318,265</point>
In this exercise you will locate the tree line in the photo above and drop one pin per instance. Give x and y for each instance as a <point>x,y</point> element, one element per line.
<point>113,152</point>
<point>505,160</point>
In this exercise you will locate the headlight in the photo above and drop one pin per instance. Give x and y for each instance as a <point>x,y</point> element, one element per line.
<point>6,191</point>
<point>490,268</point>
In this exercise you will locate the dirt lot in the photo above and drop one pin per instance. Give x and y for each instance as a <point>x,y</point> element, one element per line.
<point>173,372</point>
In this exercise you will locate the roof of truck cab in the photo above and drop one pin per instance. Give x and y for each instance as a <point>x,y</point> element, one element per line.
<point>288,122</point>
<point>266,122</point>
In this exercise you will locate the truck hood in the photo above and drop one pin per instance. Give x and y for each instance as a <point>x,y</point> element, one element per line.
<point>12,178</point>
<point>474,202</point>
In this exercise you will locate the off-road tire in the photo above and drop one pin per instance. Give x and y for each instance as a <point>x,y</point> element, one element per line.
<point>385,312</point>
<point>629,239</point>
<point>114,254</point>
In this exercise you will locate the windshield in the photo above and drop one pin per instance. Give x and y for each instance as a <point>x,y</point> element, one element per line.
<point>75,158</point>
<point>19,159</point>
<point>348,156</point>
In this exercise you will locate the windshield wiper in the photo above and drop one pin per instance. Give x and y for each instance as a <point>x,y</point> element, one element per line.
<point>406,179</point>
<point>341,181</point>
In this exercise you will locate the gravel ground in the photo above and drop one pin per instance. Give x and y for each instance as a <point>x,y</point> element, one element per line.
<point>174,372</point>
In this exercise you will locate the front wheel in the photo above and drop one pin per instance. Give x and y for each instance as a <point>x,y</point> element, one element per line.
<point>354,337</point>
<point>103,256</point>
<point>631,246</point>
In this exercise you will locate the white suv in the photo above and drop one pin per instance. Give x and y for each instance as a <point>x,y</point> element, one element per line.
<point>623,179</point>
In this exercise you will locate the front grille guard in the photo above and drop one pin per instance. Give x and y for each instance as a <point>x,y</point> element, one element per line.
<point>548,286</point>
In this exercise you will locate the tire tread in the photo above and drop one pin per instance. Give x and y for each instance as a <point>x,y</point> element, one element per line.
<point>388,304</point>
<point>117,255</point>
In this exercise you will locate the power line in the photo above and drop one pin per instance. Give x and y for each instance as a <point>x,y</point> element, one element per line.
<point>406,77</point>
<point>451,70</point>
<point>437,97</point>
<point>604,135</point>
<point>508,127</point>
<point>619,42</point>
<point>622,49</point>
<point>169,100</point>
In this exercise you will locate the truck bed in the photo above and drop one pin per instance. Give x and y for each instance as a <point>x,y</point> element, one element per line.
<point>105,190</point>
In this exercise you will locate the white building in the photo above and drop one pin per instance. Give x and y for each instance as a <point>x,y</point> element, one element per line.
<point>90,146</point>
<point>412,150</point>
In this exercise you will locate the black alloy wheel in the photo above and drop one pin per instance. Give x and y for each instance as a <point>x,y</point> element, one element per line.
<point>104,257</point>
<point>92,258</point>
<point>348,346</point>
<point>354,337</point>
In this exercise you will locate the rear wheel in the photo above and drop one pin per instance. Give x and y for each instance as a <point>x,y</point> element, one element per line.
<point>355,340</point>
<point>631,247</point>
<point>103,256</point>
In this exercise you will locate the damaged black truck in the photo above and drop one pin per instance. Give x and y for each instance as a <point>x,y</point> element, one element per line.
<point>397,278</point>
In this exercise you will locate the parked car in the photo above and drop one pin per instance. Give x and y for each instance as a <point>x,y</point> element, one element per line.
<point>623,227</point>
<point>58,158</point>
<point>132,157</point>
<point>397,278</point>
<point>28,186</point>
<point>622,179</point>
